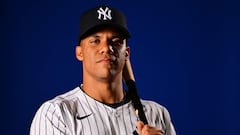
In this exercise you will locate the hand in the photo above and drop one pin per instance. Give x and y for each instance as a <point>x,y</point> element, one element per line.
<point>148,130</point>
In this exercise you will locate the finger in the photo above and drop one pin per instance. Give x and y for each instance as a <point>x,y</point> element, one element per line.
<point>149,130</point>
<point>162,131</point>
<point>140,126</point>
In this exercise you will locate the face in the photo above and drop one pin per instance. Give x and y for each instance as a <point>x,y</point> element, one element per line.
<point>103,55</point>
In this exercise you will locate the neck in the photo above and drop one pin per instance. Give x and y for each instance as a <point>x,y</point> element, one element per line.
<point>103,91</point>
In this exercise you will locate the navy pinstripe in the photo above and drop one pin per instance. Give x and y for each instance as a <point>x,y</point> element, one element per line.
<point>75,113</point>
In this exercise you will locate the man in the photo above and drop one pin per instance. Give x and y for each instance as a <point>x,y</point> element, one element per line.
<point>100,106</point>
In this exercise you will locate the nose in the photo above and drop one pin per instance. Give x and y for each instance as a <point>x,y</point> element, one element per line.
<point>106,48</point>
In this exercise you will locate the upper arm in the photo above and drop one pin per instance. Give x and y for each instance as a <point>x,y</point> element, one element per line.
<point>48,120</point>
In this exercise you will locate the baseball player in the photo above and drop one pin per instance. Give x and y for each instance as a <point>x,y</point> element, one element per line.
<point>100,105</point>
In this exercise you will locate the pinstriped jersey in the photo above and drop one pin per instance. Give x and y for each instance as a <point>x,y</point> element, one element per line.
<point>76,113</point>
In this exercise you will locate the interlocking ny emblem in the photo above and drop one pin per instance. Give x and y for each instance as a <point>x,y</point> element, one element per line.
<point>104,14</point>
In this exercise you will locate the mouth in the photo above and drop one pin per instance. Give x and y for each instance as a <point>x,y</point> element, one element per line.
<point>106,60</point>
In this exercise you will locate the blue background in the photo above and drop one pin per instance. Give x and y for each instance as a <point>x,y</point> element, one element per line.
<point>185,55</point>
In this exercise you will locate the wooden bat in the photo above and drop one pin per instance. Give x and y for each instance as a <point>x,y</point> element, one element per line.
<point>132,89</point>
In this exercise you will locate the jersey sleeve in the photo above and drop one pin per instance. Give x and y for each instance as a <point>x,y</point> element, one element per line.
<point>159,116</point>
<point>168,123</point>
<point>48,120</point>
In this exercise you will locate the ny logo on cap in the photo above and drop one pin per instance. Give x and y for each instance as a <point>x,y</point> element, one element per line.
<point>104,14</point>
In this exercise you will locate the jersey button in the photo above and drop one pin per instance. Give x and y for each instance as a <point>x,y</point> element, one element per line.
<point>117,114</point>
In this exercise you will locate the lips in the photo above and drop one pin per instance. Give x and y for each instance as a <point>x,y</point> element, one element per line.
<point>106,60</point>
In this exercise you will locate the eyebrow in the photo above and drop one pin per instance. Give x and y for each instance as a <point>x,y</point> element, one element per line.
<point>117,36</point>
<point>114,36</point>
<point>95,35</point>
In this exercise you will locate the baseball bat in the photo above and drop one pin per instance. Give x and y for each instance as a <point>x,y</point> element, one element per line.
<point>132,90</point>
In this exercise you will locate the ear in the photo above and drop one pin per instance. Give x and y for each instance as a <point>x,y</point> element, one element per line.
<point>78,53</point>
<point>127,53</point>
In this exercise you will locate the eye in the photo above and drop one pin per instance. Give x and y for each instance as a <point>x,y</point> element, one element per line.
<point>95,41</point>
<point>116,42</point>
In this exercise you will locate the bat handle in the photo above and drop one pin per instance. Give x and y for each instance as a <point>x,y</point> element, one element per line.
<point>136,100</point>
<point>130,82</point>
<point>128,72</point>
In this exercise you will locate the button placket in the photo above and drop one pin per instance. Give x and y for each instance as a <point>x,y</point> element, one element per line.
<point>117,114</point>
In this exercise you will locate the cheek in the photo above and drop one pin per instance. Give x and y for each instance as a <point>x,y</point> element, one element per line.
<point>121,52</point>
<point>88,56</point>
<point>122,57</point>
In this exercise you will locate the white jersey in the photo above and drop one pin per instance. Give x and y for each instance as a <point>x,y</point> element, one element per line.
<point>76,113</point>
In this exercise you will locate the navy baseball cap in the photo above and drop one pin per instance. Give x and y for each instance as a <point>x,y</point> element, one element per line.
<point>100,17</point>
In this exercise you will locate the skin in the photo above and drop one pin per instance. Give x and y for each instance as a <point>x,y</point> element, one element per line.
<point>103,55</point>
<point>148,130</point>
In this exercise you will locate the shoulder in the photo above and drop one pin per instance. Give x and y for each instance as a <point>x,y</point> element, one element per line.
<point>69,96</point>
<point>160,114</point>
<point>53,113</point>
<point>65,101</point>
<point>149,104</point>
<point>156,108</point>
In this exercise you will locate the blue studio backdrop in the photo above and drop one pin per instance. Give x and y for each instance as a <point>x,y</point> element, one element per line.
<point>185,55</point>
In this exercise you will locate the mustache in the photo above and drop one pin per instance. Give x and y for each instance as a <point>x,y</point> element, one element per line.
<point>109,58</point>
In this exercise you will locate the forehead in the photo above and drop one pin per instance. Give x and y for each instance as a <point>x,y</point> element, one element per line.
<point>106,32</point>
<point>113,30</point>
<point>110,34</point>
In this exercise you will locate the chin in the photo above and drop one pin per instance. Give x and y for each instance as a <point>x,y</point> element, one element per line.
<point>107,74</point>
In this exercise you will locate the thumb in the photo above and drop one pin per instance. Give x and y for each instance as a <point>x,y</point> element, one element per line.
<point>140,126</point>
